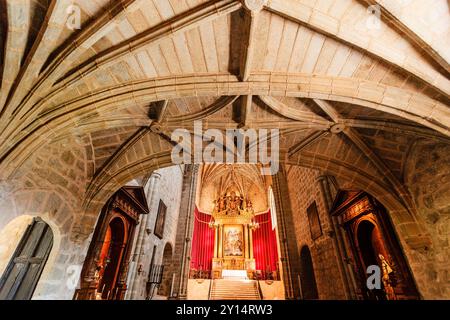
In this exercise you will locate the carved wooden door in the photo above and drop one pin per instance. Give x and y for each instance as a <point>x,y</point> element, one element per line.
<point>21,276</point>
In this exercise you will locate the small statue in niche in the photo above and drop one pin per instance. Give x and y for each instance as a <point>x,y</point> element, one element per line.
<point>238,201</point>
<point>228,203</point>
<point>97,272</point>
<point>232,199</point>
<point>222,203</point>
<point>249,205</point>
<point>216,206</point>
<point>387,278</point>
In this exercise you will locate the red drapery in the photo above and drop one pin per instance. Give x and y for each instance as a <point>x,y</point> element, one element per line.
<point>202,242</point>
<point>265,249</point>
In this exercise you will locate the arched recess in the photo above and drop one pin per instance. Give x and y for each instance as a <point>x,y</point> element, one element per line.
<point>167,261</point>
<point>121,169</point>
<point>118,173</point>
<point>10,236</point>
<point>105,268</point>
<point>368,240</point>
<point>307,275</point>
<point>111,255</point>
<point>23,272</point>
<point>373,241</point>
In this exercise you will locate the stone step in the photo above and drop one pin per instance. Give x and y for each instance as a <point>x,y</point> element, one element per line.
<point>231,289</point>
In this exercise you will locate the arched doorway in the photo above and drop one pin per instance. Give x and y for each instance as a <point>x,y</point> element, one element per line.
<point>370,246</point>
<point>111,256</point>
<point>366,237</point>
<point>23,271</point>
<point>372,241</point>
<point>307,276</point>
<point>164,289</point>
<point>105,269</point>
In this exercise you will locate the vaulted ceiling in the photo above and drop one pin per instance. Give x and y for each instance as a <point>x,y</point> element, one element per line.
<point>244,179</point>
<point>344,89</point>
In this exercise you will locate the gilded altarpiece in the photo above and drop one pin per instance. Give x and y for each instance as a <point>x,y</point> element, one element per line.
<point>233,220</point>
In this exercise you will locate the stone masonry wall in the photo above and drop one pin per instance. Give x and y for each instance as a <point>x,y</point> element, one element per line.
<point>303,190</point>
<point>428,179</point>
<point>50,184</point>
<point>168,189</point>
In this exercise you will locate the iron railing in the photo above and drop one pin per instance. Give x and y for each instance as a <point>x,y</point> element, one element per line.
<point>154,279</point>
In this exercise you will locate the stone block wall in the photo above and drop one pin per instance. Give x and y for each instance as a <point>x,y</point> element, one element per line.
<point>50,184</point>
<point>303,191</point>
<point>165,185</point>
<point>427,176</point>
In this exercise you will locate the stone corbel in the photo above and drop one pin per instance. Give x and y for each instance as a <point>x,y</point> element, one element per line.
<point>254,5</point>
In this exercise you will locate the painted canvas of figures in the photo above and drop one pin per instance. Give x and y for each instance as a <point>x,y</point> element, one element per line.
<point>233,241</point>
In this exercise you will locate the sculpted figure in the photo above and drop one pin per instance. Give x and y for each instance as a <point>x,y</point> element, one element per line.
<point>229,201</point>
<point>386,278</point>
<point>249,206</point>
<point>222,203</point>
<point>238,201</point>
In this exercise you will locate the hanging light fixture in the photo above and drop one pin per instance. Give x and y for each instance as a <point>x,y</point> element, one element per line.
<point>213,224</point>
<point>253,224</point>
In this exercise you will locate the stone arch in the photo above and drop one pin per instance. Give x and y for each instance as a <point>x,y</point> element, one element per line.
<point>120,172</point>
<point>364,232</point>
<point>307,275</point>
<point>409,231</point>
<point>373,234</point>
<point>116,237</point>
<point>167,262</point>
<point>412,106</point>
<point>12,233</point>
<point>428,178</point>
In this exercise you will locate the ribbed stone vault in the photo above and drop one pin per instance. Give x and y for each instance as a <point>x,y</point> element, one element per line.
<point>350,100</point>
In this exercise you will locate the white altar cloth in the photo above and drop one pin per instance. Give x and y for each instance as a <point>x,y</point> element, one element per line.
<point>234,274</point>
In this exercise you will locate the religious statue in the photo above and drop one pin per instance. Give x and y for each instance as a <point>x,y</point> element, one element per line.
<point>249,205</point>
<point>222,205</point>
<point>387,270</point>
<point>98,270</point>
<point>238,201</point>
<point>228,203</point>
<point>216,206</point>
<point>232,199</point>
<point>232,204</point>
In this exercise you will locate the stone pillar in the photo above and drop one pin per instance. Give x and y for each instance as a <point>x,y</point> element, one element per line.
<point>337,238</point>
<point>140,253</point>
<point>349,262</point>
<point>289,254</point>
<point>185,228</point>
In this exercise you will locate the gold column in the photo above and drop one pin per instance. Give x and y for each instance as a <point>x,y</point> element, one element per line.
<point>220,255</point>
<point>216,242</point>
<point>246,241</point>
<point>251,244</point>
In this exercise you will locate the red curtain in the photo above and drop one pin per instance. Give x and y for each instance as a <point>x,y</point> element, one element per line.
<point>265,249</point>
<point>202,242</point>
